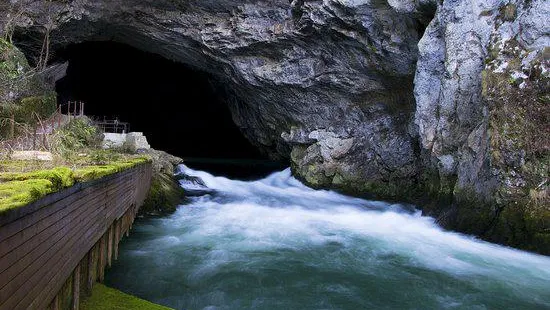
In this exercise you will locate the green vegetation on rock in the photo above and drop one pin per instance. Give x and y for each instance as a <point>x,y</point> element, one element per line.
<point>164,196</point>
<point>36,107</point>
<point>105,298</point>
<point>165,193</point>
<point>516,93</point>
<point>12,62</point>
<point>25,99</point>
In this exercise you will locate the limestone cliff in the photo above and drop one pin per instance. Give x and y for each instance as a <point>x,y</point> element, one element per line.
<point>481,89</point>
<point>299,77</point>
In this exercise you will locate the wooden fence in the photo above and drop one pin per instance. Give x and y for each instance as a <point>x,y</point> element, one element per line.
<point>53,250</point>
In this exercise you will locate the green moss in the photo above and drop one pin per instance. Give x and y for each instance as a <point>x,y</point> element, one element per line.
<point>105,298</point>
<point>60,177</point>
<point>164,196</point>
<point>519,153</point>
<point>95,172</point>
<point>472,215</point>
<point>16,194</point>
<point>20,189</point>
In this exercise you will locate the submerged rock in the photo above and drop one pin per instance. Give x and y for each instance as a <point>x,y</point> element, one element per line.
<point>193,185</point>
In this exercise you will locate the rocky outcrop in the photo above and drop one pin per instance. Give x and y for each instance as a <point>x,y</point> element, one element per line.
<point>335,70</point>
<point>481,89</point>
<point>26,94</point>
<point>165,193</point>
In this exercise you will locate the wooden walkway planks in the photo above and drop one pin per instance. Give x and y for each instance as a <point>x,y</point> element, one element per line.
<point>44,247</point>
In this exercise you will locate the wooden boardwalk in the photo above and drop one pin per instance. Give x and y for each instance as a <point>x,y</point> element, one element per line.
<point>53,250</point>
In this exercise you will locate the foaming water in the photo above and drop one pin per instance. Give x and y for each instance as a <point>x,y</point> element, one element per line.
<point>277,244</point>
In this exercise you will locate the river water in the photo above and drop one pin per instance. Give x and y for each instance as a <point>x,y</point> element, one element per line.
<point>277,244</point>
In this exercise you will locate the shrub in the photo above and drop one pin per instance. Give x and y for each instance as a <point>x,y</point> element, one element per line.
<point>75,136</point>
<point>38,107</point>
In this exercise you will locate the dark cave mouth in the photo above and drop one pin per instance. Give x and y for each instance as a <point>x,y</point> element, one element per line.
<point>180,110</point>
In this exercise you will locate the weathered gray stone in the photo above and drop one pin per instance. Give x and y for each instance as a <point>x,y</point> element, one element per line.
<point>288,69</point>
<point>480,87</point>
<point>132,141</point>
<point>32,155</point>
<point>137,141</point>
<point>451,115</point>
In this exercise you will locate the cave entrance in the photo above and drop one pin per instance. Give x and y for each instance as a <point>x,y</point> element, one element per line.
<point>179,109</point>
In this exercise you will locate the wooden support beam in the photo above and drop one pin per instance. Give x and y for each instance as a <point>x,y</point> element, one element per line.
<point>55,303</point>
<point>117,238</point>
<point>110,246</point>
<point>76,288</point>
<point>91,268</point>
<point>101,263</point>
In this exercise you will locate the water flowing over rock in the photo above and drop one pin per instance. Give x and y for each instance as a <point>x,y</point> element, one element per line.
<point>355,93</point>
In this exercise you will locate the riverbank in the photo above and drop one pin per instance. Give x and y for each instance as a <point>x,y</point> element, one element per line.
<point>103,298</point>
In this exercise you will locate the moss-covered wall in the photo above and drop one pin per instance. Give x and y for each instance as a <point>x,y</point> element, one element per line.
<point>516,88</point>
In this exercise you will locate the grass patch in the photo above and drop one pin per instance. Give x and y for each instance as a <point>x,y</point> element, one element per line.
<point>105,298</point>
<point>19,189</point>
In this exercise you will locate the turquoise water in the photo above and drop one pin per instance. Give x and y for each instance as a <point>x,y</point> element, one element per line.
<point>277,244</point>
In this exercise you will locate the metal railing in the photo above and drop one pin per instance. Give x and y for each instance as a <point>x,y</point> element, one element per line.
<point>112,125</point>
<point>72,108</point>
<point>37,137</point>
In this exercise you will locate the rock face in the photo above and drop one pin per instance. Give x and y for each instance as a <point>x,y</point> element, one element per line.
<point>481,90</point>
<point>329,85</point>
<point>165,193</point>
<point>301,77</point>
